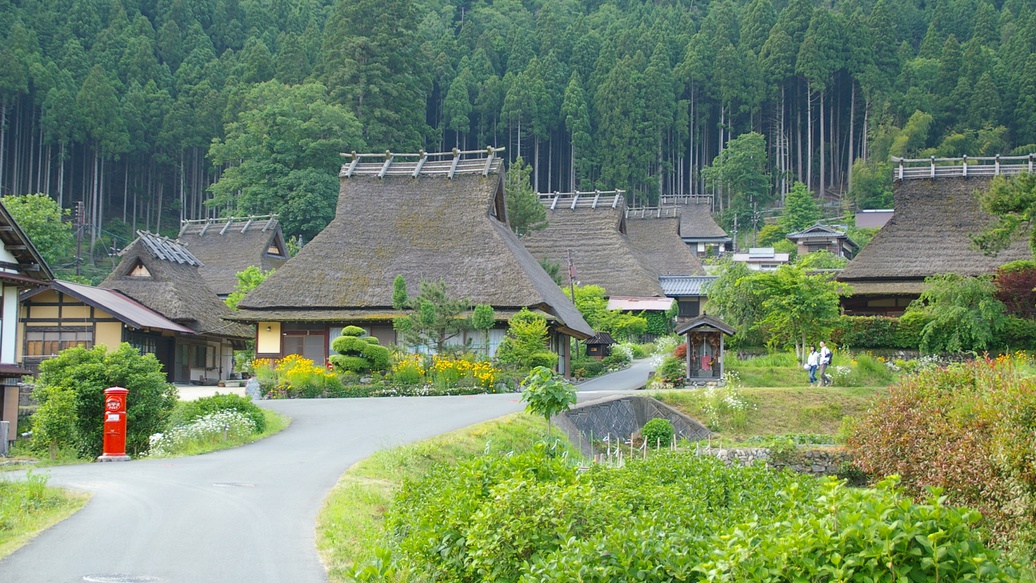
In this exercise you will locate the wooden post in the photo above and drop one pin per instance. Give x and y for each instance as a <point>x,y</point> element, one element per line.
<point>965,162</point>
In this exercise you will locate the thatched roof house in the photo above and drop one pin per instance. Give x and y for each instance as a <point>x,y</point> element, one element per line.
<point>590,227</point>
<point>927,235</point>
<point>21,267</point>
<point>698,229</point>
<point>162,274</point>
<point>655,233</point>
<point>228,246</point>
<point>424,217</point>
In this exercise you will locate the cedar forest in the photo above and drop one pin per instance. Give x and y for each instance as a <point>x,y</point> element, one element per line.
<point>146,112</point>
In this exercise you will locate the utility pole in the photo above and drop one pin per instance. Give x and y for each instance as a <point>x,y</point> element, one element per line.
<point>79,234</point>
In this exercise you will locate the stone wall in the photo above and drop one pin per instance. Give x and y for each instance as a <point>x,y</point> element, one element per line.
<point>620,418</point>
<point>818,462</point>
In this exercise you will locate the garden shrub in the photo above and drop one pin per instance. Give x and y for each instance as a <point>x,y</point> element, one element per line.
<point>525,345</point>
<point>680,351</point>
<point>1019,334</point>
<point>658,432</point>
<point>670,517</point>
<point>87,372</point>
<point>221,425</point>
<point>357,352</point>
<point>409,370</point>
<point>672,371</point>
<point>969,428</point>
<point>188,411</point>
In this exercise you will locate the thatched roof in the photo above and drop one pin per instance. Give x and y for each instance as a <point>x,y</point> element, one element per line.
<point>592,228</point>
<point>228,246</point>
<point>928,234</point>
<point>412,219</point>
<point>696,222</point>
<point>31,270</point>
<point>656,235</point>
<point>162,274</point>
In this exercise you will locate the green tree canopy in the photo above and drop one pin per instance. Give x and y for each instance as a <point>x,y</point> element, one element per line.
<point>525,212</point>
<point>1012,200</point>
<point>961,313</point>
<point>280,155</point>
<point>40,217</point>
<point>435,317</point>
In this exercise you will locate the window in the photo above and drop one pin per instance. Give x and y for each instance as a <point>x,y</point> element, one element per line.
<point>144,343</point>
<point>139,270</point>
<point>50,342</point>
<point>200,356</point>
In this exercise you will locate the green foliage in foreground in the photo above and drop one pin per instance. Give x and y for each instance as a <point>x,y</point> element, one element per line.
<point>673,517</point>
<point>87,373</point>
<point>29,506</point>
<point>969,428</point>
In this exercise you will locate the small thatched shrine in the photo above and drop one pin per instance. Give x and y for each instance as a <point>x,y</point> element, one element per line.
<point>162,274</point>
<point>589,229</point>
<point>927,235</point>
<point>422,216</point>
<point>705,348</point>
<point>228,246</point>
<point>655,233</point>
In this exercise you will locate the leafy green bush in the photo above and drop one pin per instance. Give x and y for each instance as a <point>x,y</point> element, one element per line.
<point>546,394</point>
<point>969,428</point>
<point>658,432</point>
<point>87,372</point>
<point>672,371</point>
<point>188,411</point>
<point>671,517</point>
<point>525,345</point>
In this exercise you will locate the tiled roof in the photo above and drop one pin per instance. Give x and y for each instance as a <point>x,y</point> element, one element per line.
<point>684,285</point>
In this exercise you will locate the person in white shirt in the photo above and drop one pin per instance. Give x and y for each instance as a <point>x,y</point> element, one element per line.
<point>813,361</point>
<point>825,359</point>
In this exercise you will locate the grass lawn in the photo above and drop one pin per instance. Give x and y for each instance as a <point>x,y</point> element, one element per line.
<point>777,410</point>
<point>29,507</point>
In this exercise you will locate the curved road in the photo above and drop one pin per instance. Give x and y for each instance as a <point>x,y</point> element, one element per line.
<point>245,514</point>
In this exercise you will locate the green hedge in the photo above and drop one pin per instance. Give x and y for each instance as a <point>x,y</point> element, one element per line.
<point>904,333</point>
<point>879,331</point>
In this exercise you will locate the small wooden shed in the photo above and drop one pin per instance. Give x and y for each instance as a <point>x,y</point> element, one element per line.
<point>705,348</point>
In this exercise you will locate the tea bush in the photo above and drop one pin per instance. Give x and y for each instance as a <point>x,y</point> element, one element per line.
<point>658,432</point>
<point>969,428</point>
<point>671,517</point>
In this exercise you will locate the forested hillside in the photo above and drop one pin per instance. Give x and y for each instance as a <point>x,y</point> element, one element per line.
<point>153,111</point>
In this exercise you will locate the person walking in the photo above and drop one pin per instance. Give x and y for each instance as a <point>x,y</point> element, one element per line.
<point>812,362</point>
<point>825,359</point>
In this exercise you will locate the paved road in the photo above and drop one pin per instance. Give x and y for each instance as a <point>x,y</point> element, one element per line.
<point>247,514</point>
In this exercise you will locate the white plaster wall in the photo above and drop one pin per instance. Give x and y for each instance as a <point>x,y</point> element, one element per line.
<point>9,326</point>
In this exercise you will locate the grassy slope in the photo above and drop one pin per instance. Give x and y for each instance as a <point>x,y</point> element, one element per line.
<point>18,526</point>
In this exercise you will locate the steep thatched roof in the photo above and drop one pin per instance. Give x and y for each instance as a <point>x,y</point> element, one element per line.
<point>228,246</point>
<point>696,222</point>
<point>928,234</point>
<point>592,227</point>
<point>424,219</point>
<point>162,274</point>
<point>655,233</point>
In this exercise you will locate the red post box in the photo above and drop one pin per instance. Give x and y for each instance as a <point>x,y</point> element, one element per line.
<point>114,425</point>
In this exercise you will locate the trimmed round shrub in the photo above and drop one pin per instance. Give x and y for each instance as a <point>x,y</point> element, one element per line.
<point>358,353</point>
<point>658,432</point>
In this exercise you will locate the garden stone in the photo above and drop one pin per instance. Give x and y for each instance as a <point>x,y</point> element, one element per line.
<point>252,390</point>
